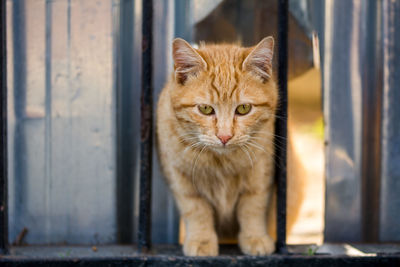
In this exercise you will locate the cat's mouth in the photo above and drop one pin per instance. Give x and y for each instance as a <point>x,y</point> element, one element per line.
<point>218,145</point>
<point>223,147</point>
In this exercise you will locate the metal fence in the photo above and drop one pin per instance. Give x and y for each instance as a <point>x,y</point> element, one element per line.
<point>360,55</point>
<point>146,101</point>
<point>146,156</point>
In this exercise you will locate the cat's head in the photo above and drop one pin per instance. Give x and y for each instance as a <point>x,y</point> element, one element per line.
<point>223,95</point>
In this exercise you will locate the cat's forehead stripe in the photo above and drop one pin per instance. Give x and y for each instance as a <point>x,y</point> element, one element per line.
<point>224,82</point>
<point>214,86</point>
<point>236,76</point>
<point>224,64</point>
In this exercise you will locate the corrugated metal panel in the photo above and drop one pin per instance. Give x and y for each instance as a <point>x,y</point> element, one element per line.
<point>74,119</point>
<point>361,56</point>
<point>165,219</point>
<point>62,137</point>
<point>342,116</point>
<point>390,188</point>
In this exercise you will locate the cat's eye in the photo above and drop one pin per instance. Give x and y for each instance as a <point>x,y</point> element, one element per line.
<point>243,109</point>
<point>206,109</point>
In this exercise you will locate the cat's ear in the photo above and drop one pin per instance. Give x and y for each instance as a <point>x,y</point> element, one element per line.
<point>186,60</point>
<point>259,61</point>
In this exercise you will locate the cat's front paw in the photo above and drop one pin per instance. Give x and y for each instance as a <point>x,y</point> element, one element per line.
<point>201,246</point>
<point>256,244</point>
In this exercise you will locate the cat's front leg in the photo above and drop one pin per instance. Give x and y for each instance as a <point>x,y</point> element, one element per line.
<point>201,238</point>
<point>253,236</point>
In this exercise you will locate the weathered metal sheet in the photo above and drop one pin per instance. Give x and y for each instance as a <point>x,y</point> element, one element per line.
<point>342,115</point>
<point>165,223</point>
<point>361,62</point>
<point>63,139</point>
<point>389,228</point>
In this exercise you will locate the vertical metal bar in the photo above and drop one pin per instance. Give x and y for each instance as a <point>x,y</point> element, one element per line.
<point>281,124</point>
<point>19,137</point>
<point>371,78</point>
<point>3,133</point>
<point>48,122</point>
<point>125,122</point>
<point>146,127</point>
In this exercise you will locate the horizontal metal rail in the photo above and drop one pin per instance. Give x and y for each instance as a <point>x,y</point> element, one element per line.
<point>169,260</point>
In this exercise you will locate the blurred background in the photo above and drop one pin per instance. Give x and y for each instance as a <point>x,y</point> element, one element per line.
<point>74,113</point>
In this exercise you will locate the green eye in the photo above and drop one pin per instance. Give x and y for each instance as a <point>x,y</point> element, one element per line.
<point>243,109</point>
<point>206,110</point>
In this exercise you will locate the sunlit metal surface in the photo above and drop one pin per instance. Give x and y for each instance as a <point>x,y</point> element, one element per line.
<point>342,116</point>
<point>61,121</point>
<point>390,188</point>
<point>165,221</point>
<point>361,61</point>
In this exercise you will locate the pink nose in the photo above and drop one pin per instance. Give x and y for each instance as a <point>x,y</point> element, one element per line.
<point>224,138</point>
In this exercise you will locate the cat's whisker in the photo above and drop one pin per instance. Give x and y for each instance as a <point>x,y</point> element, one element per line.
<point>243,148</point>
<point>275,157</point>
<point>207,139</point>
<point>189,137</point>
<point>194,145</point>
<point>280,117</point>
<point>251,139</point>
<point>257,146</point>
<point>263,139</point>
<point>188,140</point>
<point>187,134</point>
<point>251,151</point>
<point>268,133</point>
<point>195,157</point>
<point>255,143</point>
<point>183,136</point>
<point>274,142</point>
<point>278,139</point>
<point>258,137</point>
<point>270,153</point>
<point>194,166</point>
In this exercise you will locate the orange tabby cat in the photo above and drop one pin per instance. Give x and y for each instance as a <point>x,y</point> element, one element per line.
<point>215,126</point>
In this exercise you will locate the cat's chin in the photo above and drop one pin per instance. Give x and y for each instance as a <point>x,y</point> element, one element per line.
<point>224,149</point>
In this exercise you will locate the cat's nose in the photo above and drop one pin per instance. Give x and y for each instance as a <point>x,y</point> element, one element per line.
<point>224,138</point>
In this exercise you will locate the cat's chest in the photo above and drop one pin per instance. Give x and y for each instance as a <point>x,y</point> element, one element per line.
<point>207,165</point>
<point>221,192</point>
<point>218,178</point>
<point>221,180</point>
